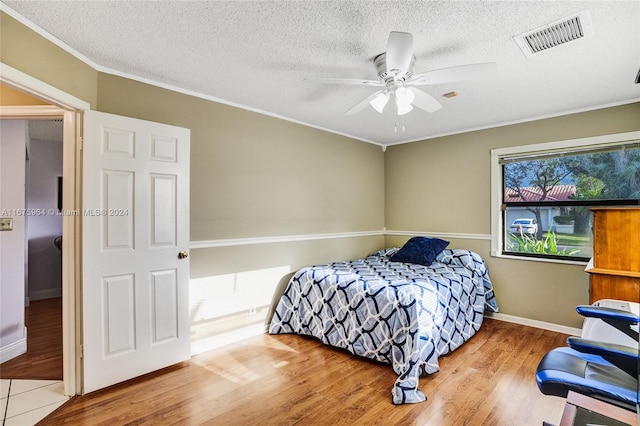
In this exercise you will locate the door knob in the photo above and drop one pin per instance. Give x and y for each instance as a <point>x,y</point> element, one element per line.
<point>183,255</point>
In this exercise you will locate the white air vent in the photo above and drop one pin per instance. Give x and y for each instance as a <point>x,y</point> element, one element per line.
<point>556,33</point>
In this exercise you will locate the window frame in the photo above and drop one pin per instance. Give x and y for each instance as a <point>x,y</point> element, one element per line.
<point>497,182</point>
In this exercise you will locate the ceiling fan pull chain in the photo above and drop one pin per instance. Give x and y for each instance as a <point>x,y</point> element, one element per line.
<point>395,119</point>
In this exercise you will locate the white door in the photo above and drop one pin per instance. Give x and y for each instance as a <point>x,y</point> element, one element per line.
<point>135,240</point>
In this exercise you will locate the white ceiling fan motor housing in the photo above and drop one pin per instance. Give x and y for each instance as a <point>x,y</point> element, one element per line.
<point>380,62</point>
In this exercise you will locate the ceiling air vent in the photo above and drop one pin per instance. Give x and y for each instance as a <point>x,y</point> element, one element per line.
<point>556,33</point>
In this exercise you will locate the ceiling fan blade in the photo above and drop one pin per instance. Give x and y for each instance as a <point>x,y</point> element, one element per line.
<point>362,104</point>
<point>399,52</point>
<point>350,81</point>
<point>424,101</point>
<point>459,73</point>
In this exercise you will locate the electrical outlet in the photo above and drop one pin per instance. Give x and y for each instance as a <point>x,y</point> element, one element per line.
<point>6,224</point>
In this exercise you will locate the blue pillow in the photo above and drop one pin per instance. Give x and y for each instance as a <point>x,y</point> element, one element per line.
<point>420,250</point>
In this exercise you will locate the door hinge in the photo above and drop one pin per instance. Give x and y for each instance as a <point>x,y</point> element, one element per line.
<point>81,143</point>
<point>81,351</point>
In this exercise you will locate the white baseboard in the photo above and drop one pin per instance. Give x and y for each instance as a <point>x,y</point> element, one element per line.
<point>535,323</point>
<point>227,338</point>
<point>14,349</point>
<point>234,336</point>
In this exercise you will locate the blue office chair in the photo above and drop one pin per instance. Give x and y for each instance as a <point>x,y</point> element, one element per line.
<point>602,370</point>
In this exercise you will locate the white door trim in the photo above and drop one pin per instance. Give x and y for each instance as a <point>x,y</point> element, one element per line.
<point>32,112</point>
<point>71,109</point>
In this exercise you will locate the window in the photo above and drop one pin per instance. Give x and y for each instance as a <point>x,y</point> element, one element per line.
<point>542,194</point>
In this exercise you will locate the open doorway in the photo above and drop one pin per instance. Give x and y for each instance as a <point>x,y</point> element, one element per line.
<point>43,254</point>
<point>83,330</point>
<point>55,104</point>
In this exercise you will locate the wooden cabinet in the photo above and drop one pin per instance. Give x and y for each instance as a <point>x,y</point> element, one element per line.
<point>615,267</point>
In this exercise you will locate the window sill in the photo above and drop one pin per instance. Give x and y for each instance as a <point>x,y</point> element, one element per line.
<point>539,259</point>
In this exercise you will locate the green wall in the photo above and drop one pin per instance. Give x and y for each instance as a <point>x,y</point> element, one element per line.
<point>443,185</point>
<point>252,176</point>
<point>255,176</point>
<point>25,50</point>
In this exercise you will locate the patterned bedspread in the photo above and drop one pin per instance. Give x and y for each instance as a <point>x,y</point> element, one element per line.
<point>404,314</point>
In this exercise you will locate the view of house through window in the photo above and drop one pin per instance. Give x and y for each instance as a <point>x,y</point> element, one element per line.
<point>547,197</point>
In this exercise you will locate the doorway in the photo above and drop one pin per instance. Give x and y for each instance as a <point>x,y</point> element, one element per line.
<point>43,258</point>
<point>166,323</point>
<point>56,104</point>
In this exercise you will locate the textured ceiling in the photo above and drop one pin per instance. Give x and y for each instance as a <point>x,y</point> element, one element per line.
<point>266,56</point>
<point>46,130</point>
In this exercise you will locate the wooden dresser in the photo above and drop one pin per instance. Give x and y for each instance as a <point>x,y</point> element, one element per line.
<point>615,267</point>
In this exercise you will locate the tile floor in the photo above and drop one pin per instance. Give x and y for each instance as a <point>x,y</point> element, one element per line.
<point>26,402</point>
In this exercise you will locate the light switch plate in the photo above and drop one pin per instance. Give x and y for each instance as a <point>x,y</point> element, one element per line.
<point>6,224</point>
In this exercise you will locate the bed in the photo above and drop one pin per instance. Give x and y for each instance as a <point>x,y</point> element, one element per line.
<point>397,312</point>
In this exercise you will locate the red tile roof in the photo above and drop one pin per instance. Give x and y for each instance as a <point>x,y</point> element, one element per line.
<point>532,193</point>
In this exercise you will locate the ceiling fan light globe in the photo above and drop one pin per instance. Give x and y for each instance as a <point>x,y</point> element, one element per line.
<point>379,102</point>
<point>403,109</point>
<point>404,97</point>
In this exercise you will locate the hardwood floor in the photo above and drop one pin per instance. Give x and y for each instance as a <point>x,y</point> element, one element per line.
<point>288,379</point>
<point>43,360</point>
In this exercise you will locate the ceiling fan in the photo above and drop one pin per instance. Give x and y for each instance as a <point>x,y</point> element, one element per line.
<point>395,74</point>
